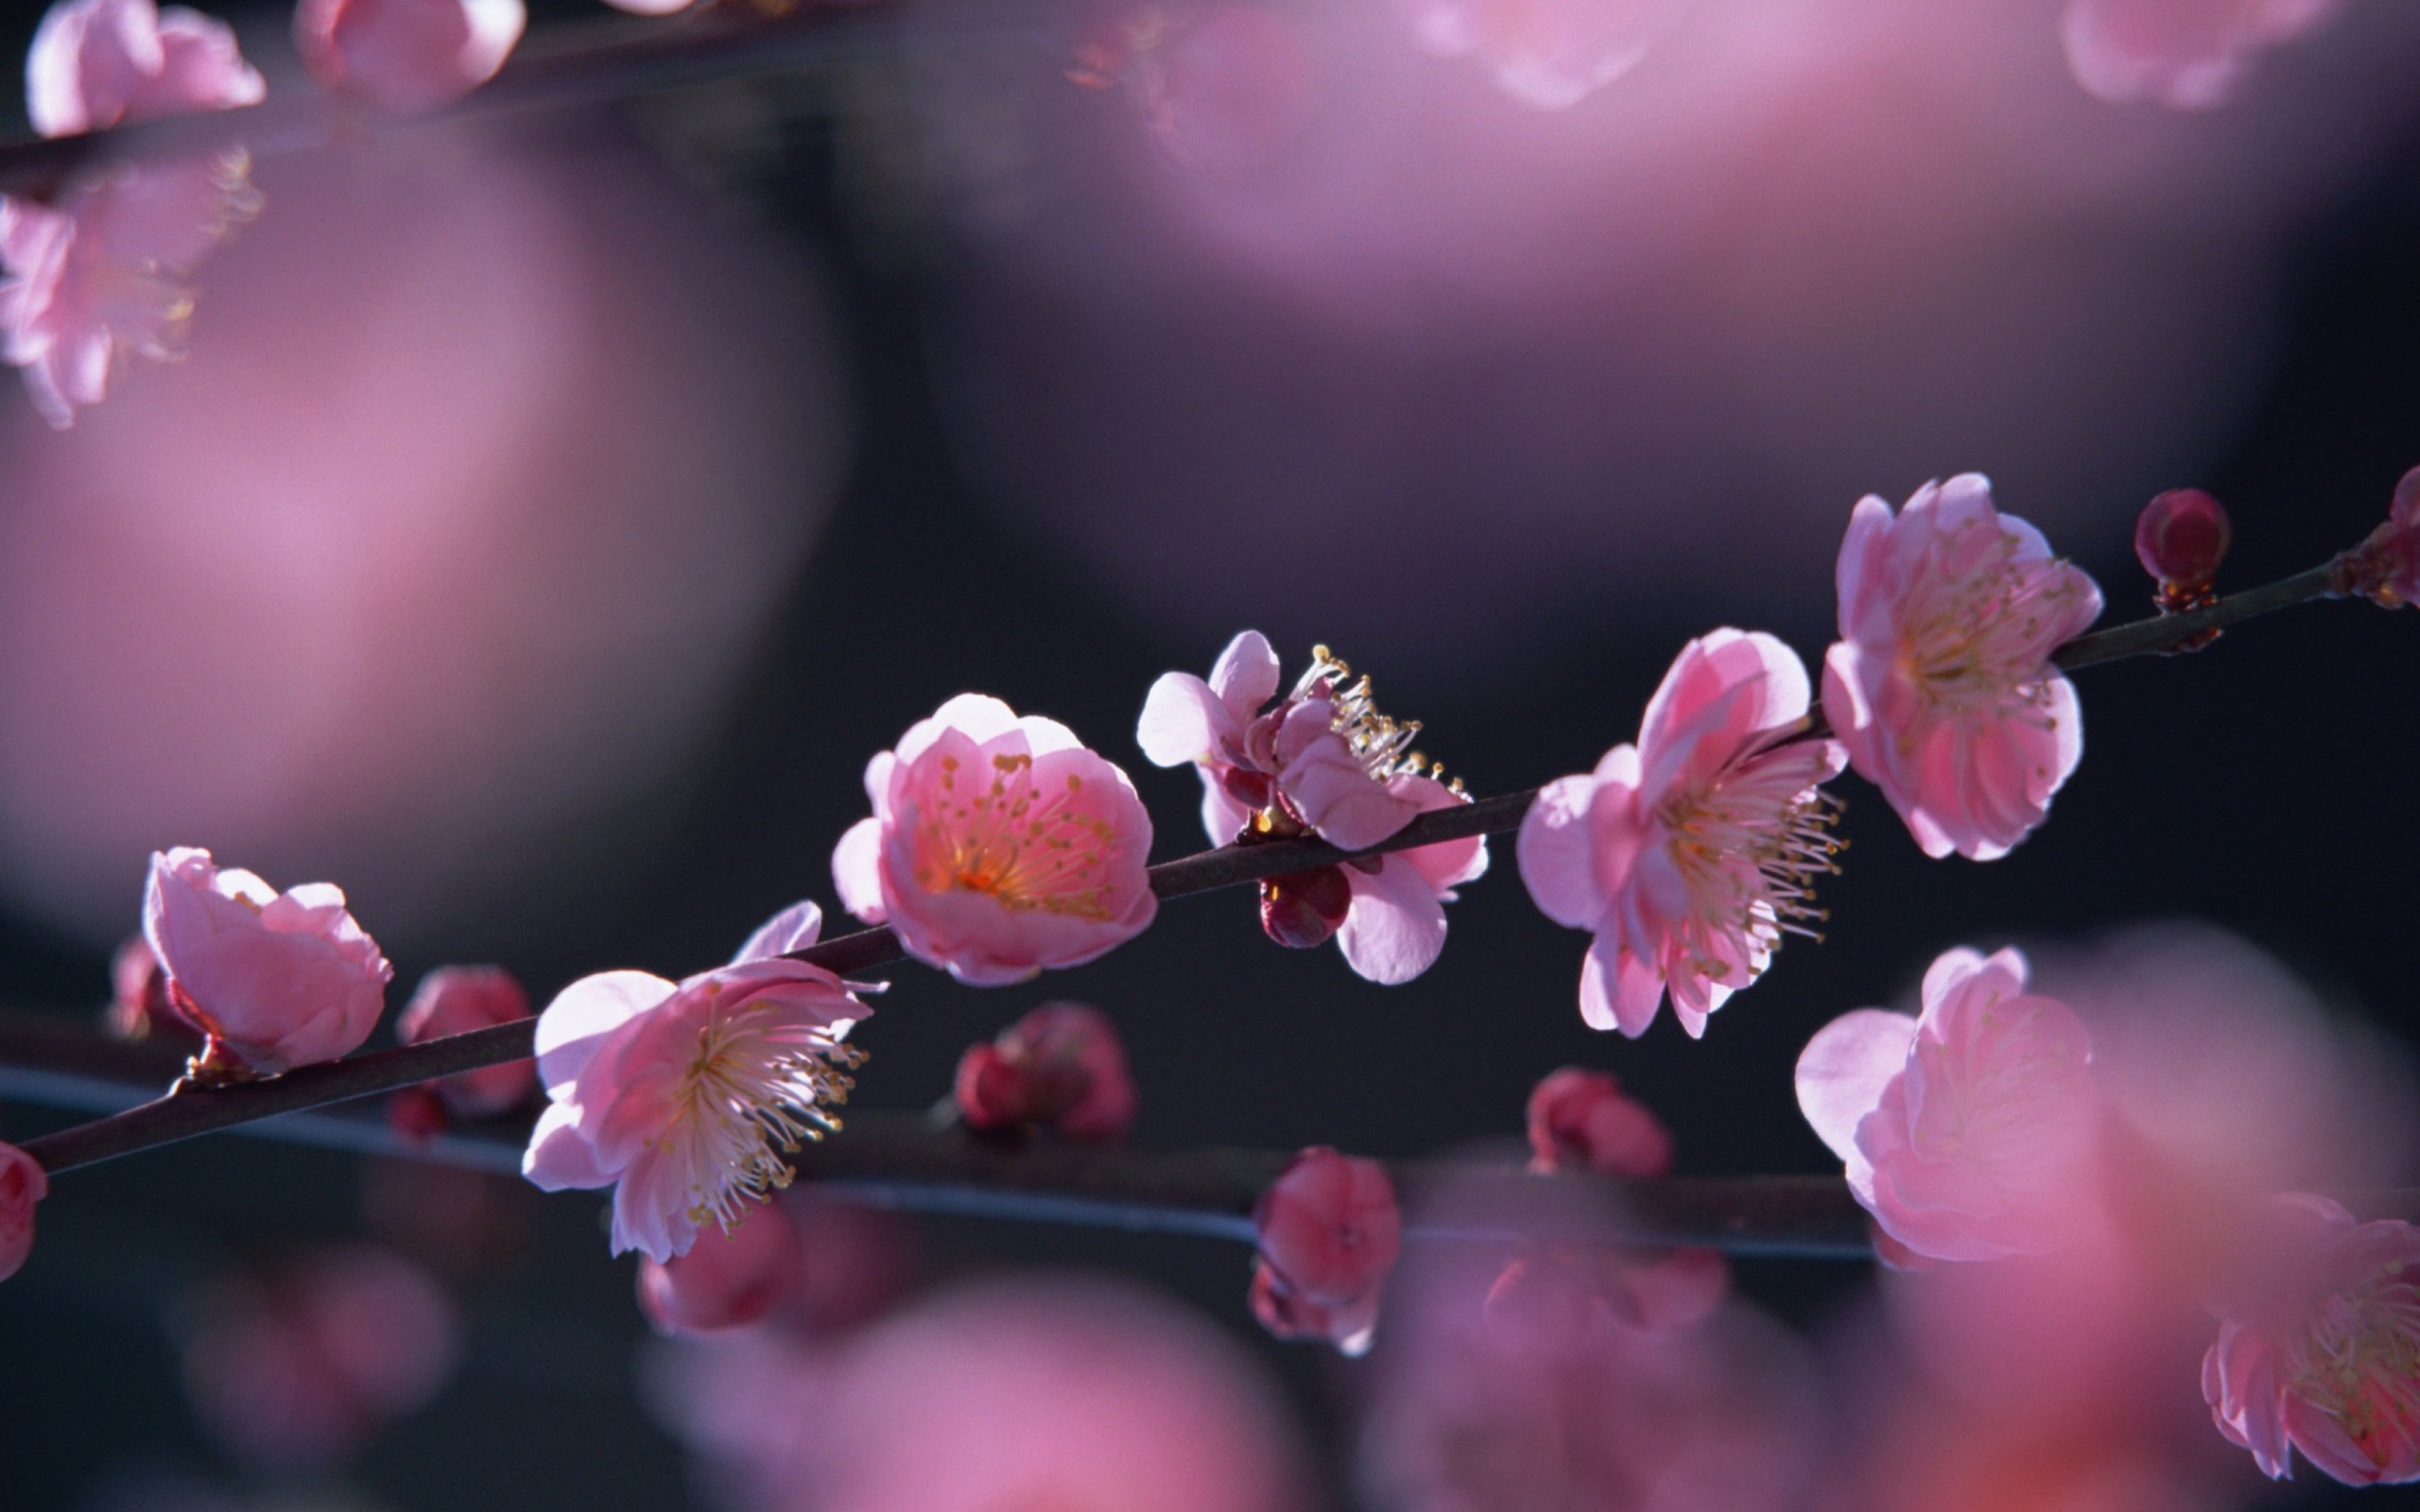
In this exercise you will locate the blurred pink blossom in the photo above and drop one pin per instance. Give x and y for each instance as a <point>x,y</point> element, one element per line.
<point>95,64</point>
<point>2329,1360</point>
<point>406,55</point>
<point>651,8</point>
<point>275,979</point>
<point>1970,1132</point>
<point>456,1000</point>
<point>1226,88</point>
<point>1061,1065</point>
<point>1329,1235</point>
<point>683,1096</point>
<point>1548,54</point>
<point>304,1366</point>
<point>102,275</point>
<point>1583,1120</point>
<point>1690,854</point>
<point>1941,687</point>
<point>998,846</point>
<point>2188,55</point>
<point>729,1278</point>
<point>23,1183</point>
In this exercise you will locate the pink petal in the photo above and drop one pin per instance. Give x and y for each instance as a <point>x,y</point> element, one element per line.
<point>583,1015</point>
<point>1335,793</point>
<point>1185,721</point>
<point>560,1157</point>
<point>857,870</point>
<point>1556,857</point>
<point>1245,676</point>
<point>1395,927</point>
<point>1618,990</point>
<point>1842,1071</point>
<point>793,929</point>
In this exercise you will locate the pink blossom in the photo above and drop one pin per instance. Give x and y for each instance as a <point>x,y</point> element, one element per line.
<point>2328,1360</point>
<point>998,846</point>
<point>406,55</point>
<point>96,64</point>
<point>104,273</point>
<point>1329,1234</point>
<point>2387,565</point>
<point>1548,54</point>
<point>731,1278</point>
<point>23,1183</point>
<point>275,979</point>
<point>1969,1132</point>
<point>683,1096</point>
<point>303,1366</point>
<point>1061,1065</point>
<point>2188,55</point>
<point>1321,761</point>
<point>1581,1121</point>
<point>1941,685</point>
<point>456,1000</point>
<point>1690,854</point>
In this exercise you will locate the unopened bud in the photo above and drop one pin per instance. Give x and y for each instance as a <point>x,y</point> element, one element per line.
<point>2182,537</point>
<point>1303,908</point>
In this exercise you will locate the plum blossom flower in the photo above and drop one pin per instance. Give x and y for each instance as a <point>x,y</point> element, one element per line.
<point>2188,54</point>
<point>1692,852</point>
<point>1329,1234</point>
<point>2330,1361</point>
<point>1970,1132</point>
<point>1583,1120</point>
<point>683,1096</point>
<point>406,55</point>
<point>2386,567</point>
<point>998,846</point>
<point>731,1278</point>
<point>97,63</point>
<point>456,1000</point>
<point>1061,1065</point>
<point>1322,761</point>
<point>1941,687</point>
<point>275,980</point>
<point>1547,54</point>
<point>23,1183</point>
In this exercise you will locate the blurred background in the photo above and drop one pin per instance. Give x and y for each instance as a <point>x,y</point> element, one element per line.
<point>554,511</point>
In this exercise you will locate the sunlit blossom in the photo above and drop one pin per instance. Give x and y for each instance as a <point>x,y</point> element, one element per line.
<point>999,846</point>
<point>1692,852</point>
<point>275,979</point>
<point>1329,1234</point>
<point>2188,55</point>
<point>406,55</point>
<point>1062,1066</point>
<point>1941,687</point>
<point>23,1183</point>
<point>2329,1360</point>
<point>685,1096</point>
<point>1969,1132</point>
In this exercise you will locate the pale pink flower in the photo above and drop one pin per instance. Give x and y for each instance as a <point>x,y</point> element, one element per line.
<point>1329,1234</point>
<point>2328,1360</point>
<point>23,1183</point>
<point>406,55</point>
<point>1548,54</point>
<point>1690,854</point>
<point>104,274</point>
<point>275,979</point>
<point>1583,1121</point>
<point>1061,1065</point>
<point>998,846</point>
<point>1969,1132</point>
<point>2188,55</point>
<point>684,1096</point>
<point>2386,567</point>
<point>303,1366</point>
<point>1941,685</point>
<point>731,1278</point>
<point>96,64</point>
<point>456,1000</point>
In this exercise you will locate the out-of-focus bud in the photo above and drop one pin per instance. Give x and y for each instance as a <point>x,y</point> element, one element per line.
<point>139,1006</point>
<point>730,1278</point>
<point>1304,908</point>
<point>1581,1121</point>
<point>23,1183</point>
<point>2386,567</point>
<point>303,1368</point>
<point>418,1113</point>
<point>2181,538</point>
<point>408,56</point>
<point>1329,1234</point>
<point>1061,1065</point>
<point>456,1000</point>
<point>275,979</point>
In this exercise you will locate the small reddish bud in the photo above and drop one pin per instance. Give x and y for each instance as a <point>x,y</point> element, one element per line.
<point>1581,1121</point>
<point>139,1005</point>
<point>417,1113</point>
<point>1061,1065</point>
<point>1303,908</point>
<point>2182,537</point>
<point>23,1183</point>
<point>456,1000</point>
<point>729,1278</point>
<point>2386,567</point>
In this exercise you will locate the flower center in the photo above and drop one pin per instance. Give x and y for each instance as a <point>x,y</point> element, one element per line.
<point>1012,841</point>
<point>1975,640</point>
<point>1381,745</point>
<point>758,1086</point>
<point>1749,849</point>
<point>2358,1360</point>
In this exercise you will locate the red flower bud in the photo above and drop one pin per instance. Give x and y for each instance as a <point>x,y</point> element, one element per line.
<point>2182,537</point>
<point>1303,908</point>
